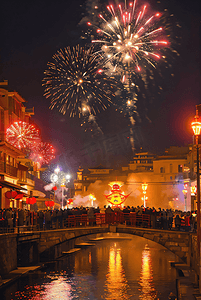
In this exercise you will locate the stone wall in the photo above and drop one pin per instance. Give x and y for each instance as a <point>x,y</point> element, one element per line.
<point>53,242</point>
<point>8,253</point>
<point>194,259</point>
<point>176,242</point>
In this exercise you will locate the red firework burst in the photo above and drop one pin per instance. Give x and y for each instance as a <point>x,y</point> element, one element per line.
<point>43,154</point>
<point>23,135</point>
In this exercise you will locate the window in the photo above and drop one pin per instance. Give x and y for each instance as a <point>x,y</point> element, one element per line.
<point>170,168</point>
<point>162,170</point>
<point>180,167</point>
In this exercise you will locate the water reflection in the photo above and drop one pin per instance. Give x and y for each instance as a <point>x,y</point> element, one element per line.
<point>148,291</point>
<point>116,283</point>
<point>112,270</point>
<point>58,288</point>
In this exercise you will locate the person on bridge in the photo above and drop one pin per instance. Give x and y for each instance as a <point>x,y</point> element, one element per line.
<point>177,222</point>
<point>91,216</point>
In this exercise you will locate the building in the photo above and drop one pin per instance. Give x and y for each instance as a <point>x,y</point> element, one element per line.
<point>168,178</point>
<point>18,174</point>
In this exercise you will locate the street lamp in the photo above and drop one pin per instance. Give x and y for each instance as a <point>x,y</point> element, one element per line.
<point>144,190</point>
<point>196,126</point>
<point>92,198</point>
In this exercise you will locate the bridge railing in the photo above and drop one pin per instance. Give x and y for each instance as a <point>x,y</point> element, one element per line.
<point>129,219</point>
<point>100,219</point>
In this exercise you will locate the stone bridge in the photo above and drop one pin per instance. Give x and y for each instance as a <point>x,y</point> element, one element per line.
<point>31,247</point>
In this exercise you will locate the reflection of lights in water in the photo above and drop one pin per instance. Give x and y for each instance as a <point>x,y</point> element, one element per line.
<point>116,283</point>
<point>57,289</point>
<point>148,291</point>
<point>90,257</point>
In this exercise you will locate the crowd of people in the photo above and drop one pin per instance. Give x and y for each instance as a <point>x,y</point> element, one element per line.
<point>166,219</point>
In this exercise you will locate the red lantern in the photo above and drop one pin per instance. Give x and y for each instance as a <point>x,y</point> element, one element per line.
<point>27,200</point>
<point>54,188</point>
<point>31,200</point>
<point>11,194</point>
<point>49,203</point>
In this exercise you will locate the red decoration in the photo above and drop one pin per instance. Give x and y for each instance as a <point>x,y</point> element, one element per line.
<point>70,201</point>
<point>116,197</point>
<point>49,203</point>
<point>19,196</point>
<point>11,194</point>
<point>31,200</point>
<point>54,188</point>
<point>23,135</point>
<point>43,153</point>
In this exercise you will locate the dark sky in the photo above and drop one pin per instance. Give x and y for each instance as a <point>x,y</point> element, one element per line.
<point>32,31</point>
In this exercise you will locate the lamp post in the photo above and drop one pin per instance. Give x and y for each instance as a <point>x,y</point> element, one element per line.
<point>92,198</point>
<point>196,126</point>
<point>144,190</point>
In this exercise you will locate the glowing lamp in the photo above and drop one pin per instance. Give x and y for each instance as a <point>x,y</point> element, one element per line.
<point>196,126</point>
<point>193,190</point>
<point>70,201</point>
<point>68,177</point>
<point>54,188</point>
<point>184,191</point>
<point>144,187</point>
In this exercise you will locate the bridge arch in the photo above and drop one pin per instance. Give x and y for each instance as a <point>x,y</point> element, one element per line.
<point>53,242</point>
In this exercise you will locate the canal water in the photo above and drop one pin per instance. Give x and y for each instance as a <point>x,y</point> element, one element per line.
<point>115,267</point>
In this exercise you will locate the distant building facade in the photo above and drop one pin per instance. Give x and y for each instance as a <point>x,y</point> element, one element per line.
<point>169,178</point>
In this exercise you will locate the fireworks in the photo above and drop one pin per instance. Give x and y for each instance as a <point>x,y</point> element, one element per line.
<point>23,135</point>
<point>75,82</point>
<point>130,38</point>
<point>133,41</point>
<point>43,154</point>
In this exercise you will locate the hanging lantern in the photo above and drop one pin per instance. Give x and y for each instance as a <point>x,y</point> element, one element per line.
<point>49,203</point>
<point>54,188</point>
<point>31,200</point>
<point>11,194</point>
<point>28,201</point>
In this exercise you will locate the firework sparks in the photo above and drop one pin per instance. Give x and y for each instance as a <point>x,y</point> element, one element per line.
<point>23,135</point>
<point>130,38</point>
<point>75,79</point>
<point>133,41</point>
<point>43,154</point>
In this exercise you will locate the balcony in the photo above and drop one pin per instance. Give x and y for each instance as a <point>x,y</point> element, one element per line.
<point>8,169</point>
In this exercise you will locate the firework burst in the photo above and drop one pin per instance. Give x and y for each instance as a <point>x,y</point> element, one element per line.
<point>43,154</point>
<point>134,42</point>
<point>131,38</point>
<point>75,80</point>
<point>23,135</point>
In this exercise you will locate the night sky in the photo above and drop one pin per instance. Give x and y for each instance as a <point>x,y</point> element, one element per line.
<point>32,31</point>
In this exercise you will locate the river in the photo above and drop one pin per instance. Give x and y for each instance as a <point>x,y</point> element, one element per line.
<point>119,266</point>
